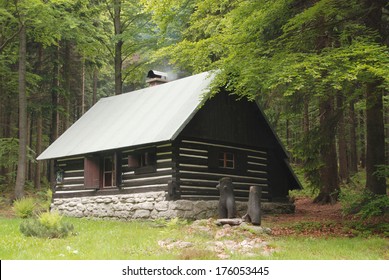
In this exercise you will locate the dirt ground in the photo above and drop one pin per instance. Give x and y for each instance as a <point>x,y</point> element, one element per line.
<point>309,219</point>
<point>307,211</point>
<point>313,219</point>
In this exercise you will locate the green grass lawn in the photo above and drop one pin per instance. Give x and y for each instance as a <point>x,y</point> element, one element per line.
<point>116,240</point>
<point>95,240</point>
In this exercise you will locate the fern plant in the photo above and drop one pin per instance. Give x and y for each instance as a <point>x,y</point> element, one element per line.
<point>24,208</point>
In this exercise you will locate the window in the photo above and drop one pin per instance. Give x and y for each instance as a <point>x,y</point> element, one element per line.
<point>59,178</point>
<point>109,172</point>
<point>143,161</point>
<point>226,160</point>
<point>146,159</point>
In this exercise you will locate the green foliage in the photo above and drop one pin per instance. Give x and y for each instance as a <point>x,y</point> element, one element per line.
<point>50,219</point>
<point>170,224</point>
<point>308,189</point>
<point>45,199</point>
<point>383,171</point>
<point>34,228</point>
<point>363,203</point>
<point>367,229</point>
<point>33,204</point>
<point>9,151</point>
<point>308,150</point>
<point>24,208</point>
<point>47,225</point>
<point>176,222</point>
<point>281,53</point>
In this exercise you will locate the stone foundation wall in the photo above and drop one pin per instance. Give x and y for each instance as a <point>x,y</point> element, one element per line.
<point>151,205</point>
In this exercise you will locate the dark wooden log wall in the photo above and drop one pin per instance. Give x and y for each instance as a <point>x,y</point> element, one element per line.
<point>187,162</point>
<point>73,170</point>
<point>197,180</point>
<point>159,179</point>
<point>73,173</point>
<point>73,178</point>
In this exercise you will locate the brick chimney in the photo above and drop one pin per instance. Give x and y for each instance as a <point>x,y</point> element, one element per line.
<point>155,78</point>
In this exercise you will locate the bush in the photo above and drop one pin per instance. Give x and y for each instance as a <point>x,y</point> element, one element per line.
<point>50,219</point>
<point>363,203</point>
<point>47,225</point>
<point>45,198</point>
<point>24,208</point>
<point>308,191</point>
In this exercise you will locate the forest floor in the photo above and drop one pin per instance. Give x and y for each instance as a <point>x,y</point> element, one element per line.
<point>320,220</point>
<point>308,219</point>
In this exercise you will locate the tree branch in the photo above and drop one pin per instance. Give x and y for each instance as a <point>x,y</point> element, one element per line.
<point>128,72</point>
<point>10,39</point>
<point>109,9</point>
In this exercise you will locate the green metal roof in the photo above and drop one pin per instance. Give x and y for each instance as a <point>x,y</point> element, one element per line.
<point>149,115</point>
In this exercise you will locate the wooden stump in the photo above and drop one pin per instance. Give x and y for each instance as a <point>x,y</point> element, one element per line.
<point>253,214</point>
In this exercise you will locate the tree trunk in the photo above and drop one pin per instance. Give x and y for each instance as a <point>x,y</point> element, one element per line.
<point>353,166</point>
<point>22,159</point>
<point>362,140</point>
<point>39,120</point>
<point>30,119</point>
<point>287,133</point>
<point>66,73</point>
<point>328,171</point>
<point>38,150</point>
<point>387,133</point>
<point>306,116</point>
<point>54,113</point>
<point>375,131</point>
<point>375,138</point>
<point>95,79</point>
<point>342,143</point>
<point>329,184</point>
<point>82,86</point>
<point>118,47</point>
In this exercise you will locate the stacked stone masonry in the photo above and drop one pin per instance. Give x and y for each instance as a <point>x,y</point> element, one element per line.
<point>151,205</point>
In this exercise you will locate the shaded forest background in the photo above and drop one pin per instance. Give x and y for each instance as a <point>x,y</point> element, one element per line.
<point>319,69</point>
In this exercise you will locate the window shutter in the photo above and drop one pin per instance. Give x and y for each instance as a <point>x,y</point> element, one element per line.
<point>92,172</point>
<point>133,161</point>
<point>150,158</point>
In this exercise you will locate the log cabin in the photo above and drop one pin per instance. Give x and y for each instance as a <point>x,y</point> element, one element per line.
<point>168,139</point>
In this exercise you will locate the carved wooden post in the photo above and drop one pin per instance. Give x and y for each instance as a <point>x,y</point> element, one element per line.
<point>254,206</point>
<point>226,207</point>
